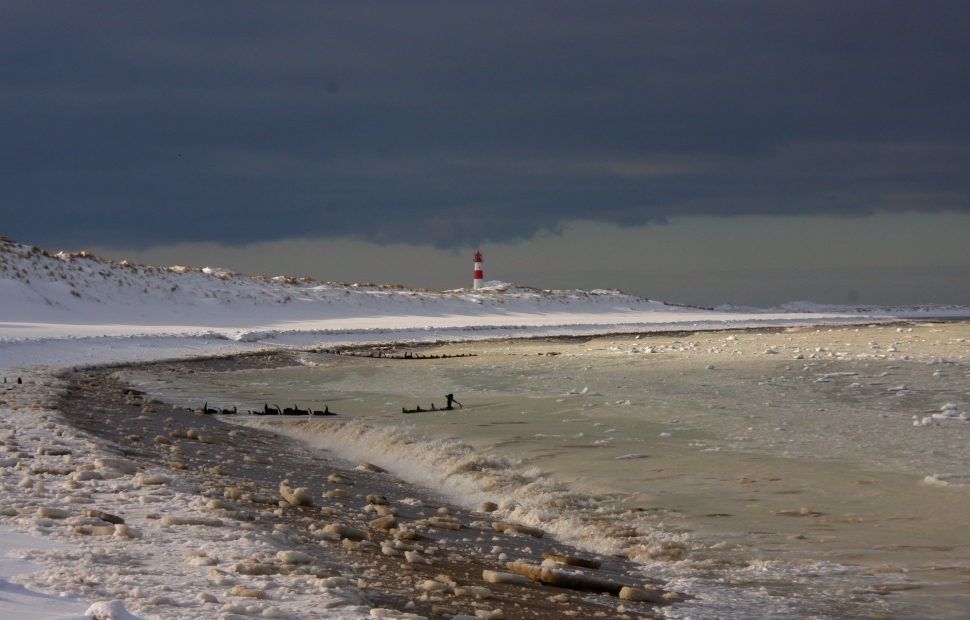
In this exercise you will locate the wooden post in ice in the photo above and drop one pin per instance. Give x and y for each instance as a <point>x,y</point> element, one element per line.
<point>479,278</point>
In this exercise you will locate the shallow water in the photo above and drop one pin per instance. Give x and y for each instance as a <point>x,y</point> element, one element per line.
<point>792,487</point>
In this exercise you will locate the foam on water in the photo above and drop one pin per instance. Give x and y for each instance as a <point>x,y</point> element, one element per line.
<point>725,587</point>
<point>961,480</point>
<point>469,478</point>
<point>763,588</point>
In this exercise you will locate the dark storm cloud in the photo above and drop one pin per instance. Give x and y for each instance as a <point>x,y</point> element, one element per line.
<point>134,123</point>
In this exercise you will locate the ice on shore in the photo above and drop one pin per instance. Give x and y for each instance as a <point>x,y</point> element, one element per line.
<point>89,554</point>
<point>110,610</point>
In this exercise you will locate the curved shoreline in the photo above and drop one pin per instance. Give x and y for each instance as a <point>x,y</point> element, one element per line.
<point>97,345</point>
<point>75,398</point>
<point>94,401</point>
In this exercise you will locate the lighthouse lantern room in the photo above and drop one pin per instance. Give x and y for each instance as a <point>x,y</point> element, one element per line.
<point>479,278</point>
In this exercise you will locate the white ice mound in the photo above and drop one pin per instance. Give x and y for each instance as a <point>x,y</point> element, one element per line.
<point>110,610</point>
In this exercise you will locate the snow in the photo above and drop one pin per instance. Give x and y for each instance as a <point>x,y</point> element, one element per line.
<point>110,610</point>
<point>50,563</point>
<point>20,603</point>
<point>66,309</point>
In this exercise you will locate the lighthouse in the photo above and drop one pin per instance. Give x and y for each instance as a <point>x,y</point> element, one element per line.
<point>479,278</point>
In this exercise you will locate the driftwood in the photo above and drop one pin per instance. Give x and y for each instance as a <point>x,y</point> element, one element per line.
<point>492,576</point>
<point>406,356</point>
<point>444,523</point>
<point>109,518</point>
<point>563,579</point>
<point>586,583</point>
<point>291,411</point>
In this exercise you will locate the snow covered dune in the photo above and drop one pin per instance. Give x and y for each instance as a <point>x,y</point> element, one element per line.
<point>50,301</point>
<point>82,289</point>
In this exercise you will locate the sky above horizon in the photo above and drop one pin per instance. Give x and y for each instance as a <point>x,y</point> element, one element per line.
<point>697,152</point>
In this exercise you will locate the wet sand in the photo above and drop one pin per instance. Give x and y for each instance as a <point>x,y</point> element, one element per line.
<point>98,404</point>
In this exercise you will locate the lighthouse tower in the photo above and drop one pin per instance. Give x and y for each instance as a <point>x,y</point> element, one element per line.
<point>479,278</point>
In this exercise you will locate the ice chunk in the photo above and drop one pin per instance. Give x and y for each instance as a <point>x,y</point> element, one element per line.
<point>110,610</point>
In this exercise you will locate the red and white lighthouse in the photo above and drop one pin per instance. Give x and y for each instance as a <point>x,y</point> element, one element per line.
<point>479,278</point>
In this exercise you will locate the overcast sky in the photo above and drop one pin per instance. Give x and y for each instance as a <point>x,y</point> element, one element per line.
<point>407,134</point>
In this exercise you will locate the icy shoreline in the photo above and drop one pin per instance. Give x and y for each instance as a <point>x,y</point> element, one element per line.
<point>37,416</point>
<point>71,486</point>
<point>44,388</point>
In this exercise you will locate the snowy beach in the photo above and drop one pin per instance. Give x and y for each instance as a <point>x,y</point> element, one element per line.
<point>78,332</point>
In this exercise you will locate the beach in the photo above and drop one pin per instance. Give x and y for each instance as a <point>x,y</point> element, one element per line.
<point>683,537</point>
<point>227,461</point>
<point>791,449</point>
